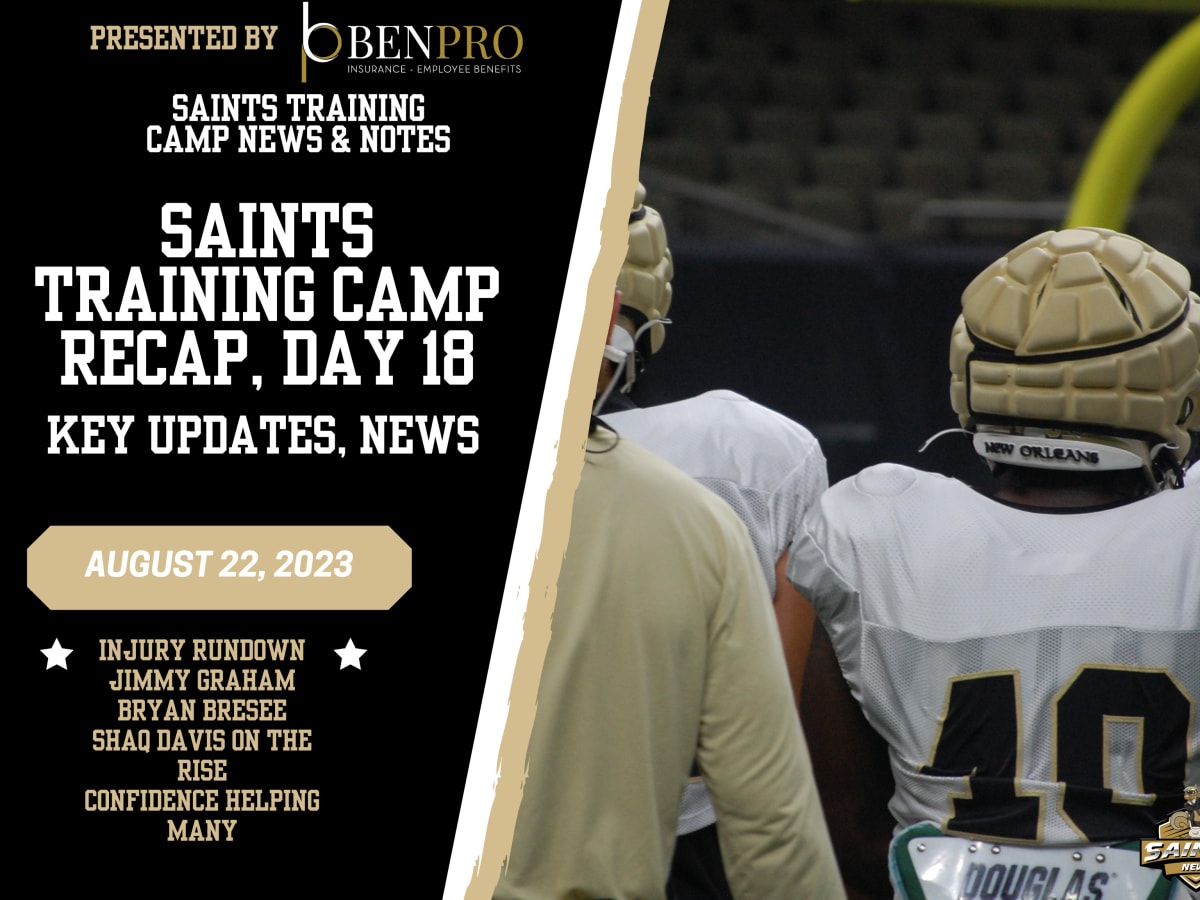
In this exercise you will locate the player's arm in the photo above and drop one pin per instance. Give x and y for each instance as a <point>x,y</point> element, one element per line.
<point>796,618</point>
<point>755,761</point>
<point>853,775</point>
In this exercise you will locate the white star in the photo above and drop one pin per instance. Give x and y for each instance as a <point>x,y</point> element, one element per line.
<point>350,655</point>
<point>57,655</point>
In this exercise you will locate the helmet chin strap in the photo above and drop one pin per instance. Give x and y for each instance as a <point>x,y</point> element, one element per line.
<point>942,433</point>
<point>620,358</point>
<point>622,350</point>
<point>630,345</point>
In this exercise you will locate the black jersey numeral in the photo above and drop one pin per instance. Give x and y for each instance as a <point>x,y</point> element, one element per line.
<point>1162,710</point>
<point>981,740</point>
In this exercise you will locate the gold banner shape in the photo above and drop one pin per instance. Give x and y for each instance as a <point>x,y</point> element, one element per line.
<point>202,567</point>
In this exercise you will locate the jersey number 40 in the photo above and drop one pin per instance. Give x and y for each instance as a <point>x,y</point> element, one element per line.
<point>981,739</point>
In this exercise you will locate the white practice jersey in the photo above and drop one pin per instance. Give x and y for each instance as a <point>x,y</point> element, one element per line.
<point>768,467</point>
<point>1035,674</point>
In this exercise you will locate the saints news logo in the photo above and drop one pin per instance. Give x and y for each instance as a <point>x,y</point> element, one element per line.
<point>1177,849</point>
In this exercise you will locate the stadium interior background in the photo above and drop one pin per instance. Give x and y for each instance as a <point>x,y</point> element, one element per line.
<point>832,174</point>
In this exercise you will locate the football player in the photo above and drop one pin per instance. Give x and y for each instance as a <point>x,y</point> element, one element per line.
<point>1021,669</point>
<point>662,652</point>
<point>769,468</point>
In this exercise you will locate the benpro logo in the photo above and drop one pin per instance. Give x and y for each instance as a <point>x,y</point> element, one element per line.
<point>306,32</point>
<point>323,42</point>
